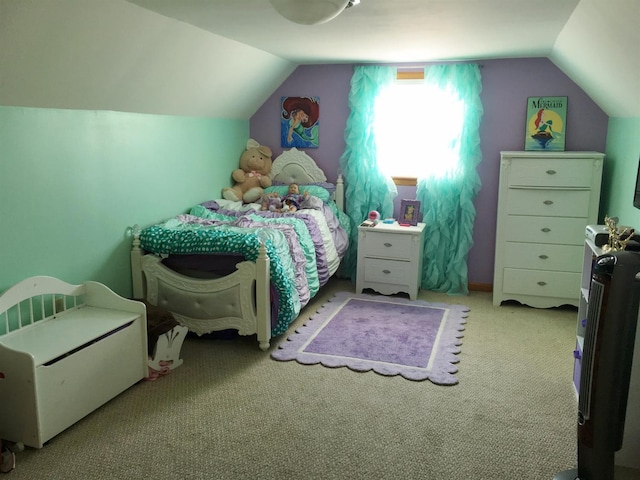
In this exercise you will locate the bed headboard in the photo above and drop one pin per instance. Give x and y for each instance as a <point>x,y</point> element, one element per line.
<point>295,166</point>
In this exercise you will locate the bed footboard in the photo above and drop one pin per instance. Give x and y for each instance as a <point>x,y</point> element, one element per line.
<point>238,301</point>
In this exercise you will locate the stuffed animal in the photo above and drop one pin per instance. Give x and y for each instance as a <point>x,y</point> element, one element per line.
<point>289,205</point>
<point>271,202</point>
<point>252,176</point>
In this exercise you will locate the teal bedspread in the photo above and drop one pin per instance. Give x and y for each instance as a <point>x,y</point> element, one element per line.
<point>304,249</point>
<point>177,237</point>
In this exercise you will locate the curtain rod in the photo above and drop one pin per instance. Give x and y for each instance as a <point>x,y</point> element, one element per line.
<point>414,73</point>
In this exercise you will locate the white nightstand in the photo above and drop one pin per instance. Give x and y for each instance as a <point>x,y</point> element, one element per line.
<point>390,258</point>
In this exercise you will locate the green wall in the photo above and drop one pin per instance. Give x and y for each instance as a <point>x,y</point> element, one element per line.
<point>620,169</point>
<point>72,182</point>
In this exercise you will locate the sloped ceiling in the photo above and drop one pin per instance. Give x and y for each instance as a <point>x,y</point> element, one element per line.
<point>113,55</point>
<point>223,58</point>
<point>599,49</point>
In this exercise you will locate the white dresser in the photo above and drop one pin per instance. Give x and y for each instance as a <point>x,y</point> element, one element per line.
<point>390,258</point>
<point>545,201</point>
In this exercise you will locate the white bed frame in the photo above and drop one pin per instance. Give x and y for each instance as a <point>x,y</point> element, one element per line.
<point>208,305</point>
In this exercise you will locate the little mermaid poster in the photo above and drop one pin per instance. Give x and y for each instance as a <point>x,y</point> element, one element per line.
<point>546,123</point>
<point>299,122</point>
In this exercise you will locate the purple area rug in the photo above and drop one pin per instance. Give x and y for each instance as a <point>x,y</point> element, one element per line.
<point>389,335</point>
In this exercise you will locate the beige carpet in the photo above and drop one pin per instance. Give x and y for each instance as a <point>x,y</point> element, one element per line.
<point>232,412</point>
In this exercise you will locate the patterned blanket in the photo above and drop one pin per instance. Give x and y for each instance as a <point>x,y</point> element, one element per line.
<point>304,248</point>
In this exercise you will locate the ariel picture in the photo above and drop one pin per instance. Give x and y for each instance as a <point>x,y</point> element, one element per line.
<point>409,212</point>
<point>299,120</point>
<point>546,123</point>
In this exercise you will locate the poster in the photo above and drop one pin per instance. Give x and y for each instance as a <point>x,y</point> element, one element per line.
<point>546,123</point>
<point>299,122</point>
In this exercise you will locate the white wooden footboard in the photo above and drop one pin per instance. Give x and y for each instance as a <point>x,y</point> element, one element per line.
<point>238,301</point>
<point>241,300</point>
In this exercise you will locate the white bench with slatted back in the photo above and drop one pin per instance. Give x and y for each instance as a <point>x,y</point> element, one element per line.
<point>65,350</point>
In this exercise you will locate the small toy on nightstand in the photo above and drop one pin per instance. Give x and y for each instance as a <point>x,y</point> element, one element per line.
<point>374,216</point>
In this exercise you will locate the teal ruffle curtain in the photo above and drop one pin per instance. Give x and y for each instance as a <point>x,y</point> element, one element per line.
<point>366,188</point>
<point>447,201</point>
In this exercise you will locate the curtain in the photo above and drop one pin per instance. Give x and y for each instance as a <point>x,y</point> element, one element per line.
<point>447,201</point>
<point>366,188</point>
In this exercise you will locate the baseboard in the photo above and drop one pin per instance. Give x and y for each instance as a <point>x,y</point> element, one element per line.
<point>481,287</point>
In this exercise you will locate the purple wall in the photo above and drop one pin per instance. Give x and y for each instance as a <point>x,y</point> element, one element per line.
<point>506,86</point>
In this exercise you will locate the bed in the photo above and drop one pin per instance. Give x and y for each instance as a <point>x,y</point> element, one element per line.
<point>232,266</point>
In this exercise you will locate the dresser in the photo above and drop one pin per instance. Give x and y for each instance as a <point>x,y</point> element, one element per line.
<point>390,258</point>
<point>545,200</point>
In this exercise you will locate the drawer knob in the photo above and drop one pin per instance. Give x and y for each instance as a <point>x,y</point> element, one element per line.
<point>551,172</point>
<point>543,257</point>
<point>548,202</point>
<point>542,284</point>
<point>546,229</point>
<point>387,244</point>
<point>386,271</point>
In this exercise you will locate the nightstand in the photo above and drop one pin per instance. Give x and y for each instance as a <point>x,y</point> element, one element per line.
<point>390,258</point>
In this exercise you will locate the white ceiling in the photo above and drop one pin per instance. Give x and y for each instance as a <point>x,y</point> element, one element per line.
<point>198,57</point>
<point>385,30</point>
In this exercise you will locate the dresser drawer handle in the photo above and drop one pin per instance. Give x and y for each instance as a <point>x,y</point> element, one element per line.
<point>543,257</point>
<point>542,284</point>
<point>548,202</point>
<point>387,244</point>
<point>551,172</point>
<point>387,272</point>
<point>545,229</point>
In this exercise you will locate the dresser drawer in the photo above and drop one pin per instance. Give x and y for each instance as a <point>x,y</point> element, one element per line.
<point>541,283</point>
<point>551,172</point>
<point>552,203</point>
<point>537,256</point>
<point>388,271</point>
<point>387,245</point>
<point>522,228</point>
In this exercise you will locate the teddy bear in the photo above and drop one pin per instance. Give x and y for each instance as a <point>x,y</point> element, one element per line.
<point>252,176</point>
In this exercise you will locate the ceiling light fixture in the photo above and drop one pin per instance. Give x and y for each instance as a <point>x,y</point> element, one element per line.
<point>311,12</point>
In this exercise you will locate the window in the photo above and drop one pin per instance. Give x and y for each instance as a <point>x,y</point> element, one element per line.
<point>417,129</point>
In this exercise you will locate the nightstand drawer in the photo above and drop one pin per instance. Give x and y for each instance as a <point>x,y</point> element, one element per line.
<point>550,172</point>
<point>387,271</point>
<point>541,283</point>
<point>552,203</point>
<point>524,228</point>
<point>387,245</point>
<point>538,256</point>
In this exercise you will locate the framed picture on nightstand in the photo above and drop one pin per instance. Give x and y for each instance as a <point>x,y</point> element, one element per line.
<point>409,211</point>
